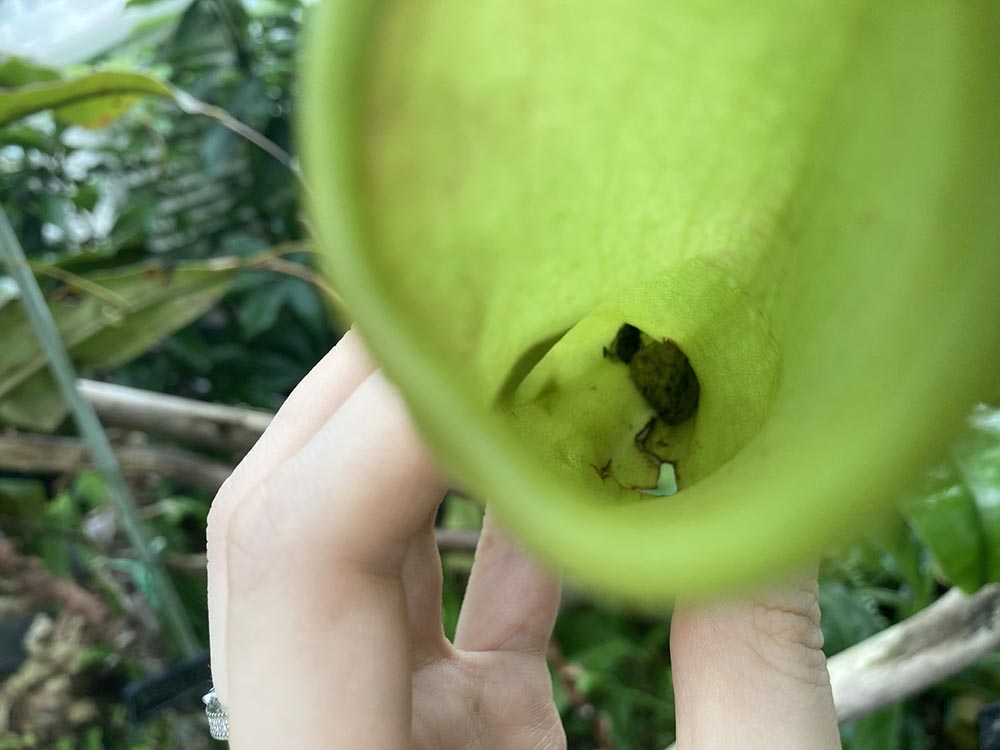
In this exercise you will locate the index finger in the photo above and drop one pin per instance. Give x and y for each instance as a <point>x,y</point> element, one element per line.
<point>318,631</point>
<point>320,394</point>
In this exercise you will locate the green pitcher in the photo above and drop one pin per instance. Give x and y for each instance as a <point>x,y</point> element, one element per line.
<point>605,248</point>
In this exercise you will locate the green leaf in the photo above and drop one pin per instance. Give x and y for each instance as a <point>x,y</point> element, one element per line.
<point>90,489</point>
<point>94,655</point>
<point>957,512</point>
<point>259,312</point>
<point>55,209</point>
<point>93,100</point>
<point>946,519</point>
<point>86,197</point>
<point>17,72</point>
<point>23,500</point>
<point>977,459</point>
<point>138,307</point>
<point>461,513</point>
<point>93,739</point>
<point>878,731</point>
<point>846,618</point>
<point>498,188</point>
<point>61,513</point>
<point>26,137</point>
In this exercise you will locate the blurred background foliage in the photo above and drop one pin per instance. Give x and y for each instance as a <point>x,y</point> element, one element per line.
<point>176,259</point>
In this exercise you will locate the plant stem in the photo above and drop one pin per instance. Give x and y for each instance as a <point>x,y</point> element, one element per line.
<point>175,619</point>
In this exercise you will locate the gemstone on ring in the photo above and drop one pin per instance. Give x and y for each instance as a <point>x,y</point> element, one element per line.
<point>218,718</point>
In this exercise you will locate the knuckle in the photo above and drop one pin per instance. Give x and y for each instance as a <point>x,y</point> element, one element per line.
<point>290,473</point>
<point>254,540</point>
<point>785,634</point>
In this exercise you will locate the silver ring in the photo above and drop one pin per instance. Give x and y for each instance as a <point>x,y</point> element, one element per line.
<point>218,719</point>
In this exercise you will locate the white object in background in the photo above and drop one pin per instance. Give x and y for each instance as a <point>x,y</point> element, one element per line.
<point>64,32</point>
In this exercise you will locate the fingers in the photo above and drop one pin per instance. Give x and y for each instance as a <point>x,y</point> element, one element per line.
<point>511,603</point>
<point>422,583</point>
<point>751,673</point>
<point>319,644</point>
<point>318,396</point>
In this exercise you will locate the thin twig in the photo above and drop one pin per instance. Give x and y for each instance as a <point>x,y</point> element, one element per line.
<point>61,455</point>
<point>79,283</point>
<point>456,540</point>
<point>287,248</point>
<point>232,428</point>
<point>194,106</point>
<point>42,588</point>
<point>299,271</point>
<point>93,433</point>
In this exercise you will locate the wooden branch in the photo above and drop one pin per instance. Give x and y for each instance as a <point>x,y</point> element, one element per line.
<point>910,656</point>
<point>43,454</point>
<point>230,428</point>
<point>38,454</point>
<point>457,540</point>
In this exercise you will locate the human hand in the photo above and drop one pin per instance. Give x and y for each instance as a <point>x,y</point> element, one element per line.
<point>325,590</point>
<point>325,606</point>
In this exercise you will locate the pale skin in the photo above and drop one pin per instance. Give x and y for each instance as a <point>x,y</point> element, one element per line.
<point>325,606</point>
